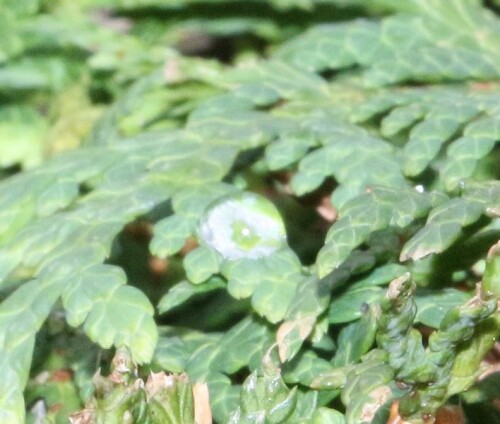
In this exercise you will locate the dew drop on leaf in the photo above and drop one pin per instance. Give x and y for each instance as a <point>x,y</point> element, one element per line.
<point>245,225</point>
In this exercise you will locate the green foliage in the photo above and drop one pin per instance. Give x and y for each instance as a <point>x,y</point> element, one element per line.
<point>290,201</point>
<point>265,399</point>
<point>438,41</point>
<point>162,399</point>
<point>431,368</point>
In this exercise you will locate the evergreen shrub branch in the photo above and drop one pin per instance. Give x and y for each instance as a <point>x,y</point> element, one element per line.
<point>280,210</point>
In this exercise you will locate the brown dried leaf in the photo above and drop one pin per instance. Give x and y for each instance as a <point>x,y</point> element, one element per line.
<point>202,411</point>
<point>380,396</point>
<point>288,332</point>
<point>87,416</point>
<point>326,210</point>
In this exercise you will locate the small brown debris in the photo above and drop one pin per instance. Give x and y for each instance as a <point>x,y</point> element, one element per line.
<point>326,210</point>
<point>86,416</point>
<point>190,244</point>
<point>56,407</point>
<point>140,230</point>
<point>61,375</point>
<point>158,266</point>
<point>447,414</point>
<point>450,414</point>
<point>394,417</point>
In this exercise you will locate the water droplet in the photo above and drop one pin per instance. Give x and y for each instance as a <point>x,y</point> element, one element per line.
<point>245,225</point>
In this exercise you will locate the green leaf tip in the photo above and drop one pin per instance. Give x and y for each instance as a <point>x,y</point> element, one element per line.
<point>491,277</point>
<point>201,263</point>
<point>364,386</point>
<point>265,398</point>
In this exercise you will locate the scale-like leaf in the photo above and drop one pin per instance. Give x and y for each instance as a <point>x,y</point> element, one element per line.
<point>364,386</point>
<point>107,324</point>
<point>467,364</point>
<point>416,364</point>
<point>201,264</point>
<point>177,136</point>
<point>385,207</point>
<point>194,200</point>
<point>350,304</point>
<point>211,358</point>
<point>426,114</point>
<point>421,47</point>
<point>366,391</point>
<point>356,339</point>
<point>289,149</point>
<point>304,368</point>
<point>352,164</point>
<point>443,227</point>
<point>433,306</point>
<point>328,416</point>
<point>271,282</point>
<point>184,291</point>
<point>60,252</point>
<point>21,316</point>
<point>491,276</point>
<point>264,399</point>
<point>477,141</point>
<point>99,282</point>
<point>170,235</point>
<point>427,137</point>
<point>243,345</point>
